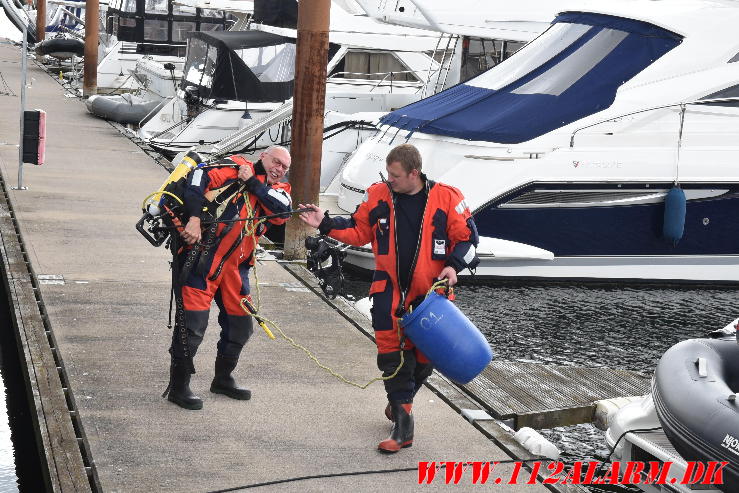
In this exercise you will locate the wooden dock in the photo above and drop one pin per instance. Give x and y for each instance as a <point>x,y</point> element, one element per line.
<point>544,396</point>
<point>62,449</point>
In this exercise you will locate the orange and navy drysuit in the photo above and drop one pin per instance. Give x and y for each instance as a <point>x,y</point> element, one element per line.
<point>219,268</point>
<point>447,237</point>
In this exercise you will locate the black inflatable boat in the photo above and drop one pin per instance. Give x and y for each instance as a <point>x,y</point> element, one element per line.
<point>695,395</point>
<point>124,108</point>
<point>62,48</point>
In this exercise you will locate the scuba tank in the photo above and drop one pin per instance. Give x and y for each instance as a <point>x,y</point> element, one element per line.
<point>164,209</point>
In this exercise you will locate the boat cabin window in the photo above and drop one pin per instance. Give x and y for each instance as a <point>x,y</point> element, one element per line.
<point>270,63</point>
<point>481,54</point>
<point>564,74</point>
<point>160,26</point>
<point>180,30</point>
<point>532,56</point>
<point>369,65</point>
<point>156,7</point>
<point>200,64</point>
<point>240,66</point>
<point>729,92</point>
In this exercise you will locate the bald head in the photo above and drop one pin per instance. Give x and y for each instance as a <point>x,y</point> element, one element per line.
<point>276,161</point>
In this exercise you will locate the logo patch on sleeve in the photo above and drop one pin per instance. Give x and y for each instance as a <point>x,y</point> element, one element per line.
<point>439,247</point>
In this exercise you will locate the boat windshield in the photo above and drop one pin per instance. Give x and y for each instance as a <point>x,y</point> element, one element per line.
<point>572,70</point>
<point>201,62</point>
<point>240,65</point>
<point>532,56</point>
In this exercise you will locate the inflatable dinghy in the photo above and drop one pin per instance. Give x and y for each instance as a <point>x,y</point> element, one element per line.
<point>695,395</point>
<point>124,108</point>
<point>62,48</point>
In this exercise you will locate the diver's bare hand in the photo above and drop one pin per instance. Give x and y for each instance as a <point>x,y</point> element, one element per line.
<point>449,274</point>
<point>312,218</point>
<point>192,232</point>
<point>245,172</point>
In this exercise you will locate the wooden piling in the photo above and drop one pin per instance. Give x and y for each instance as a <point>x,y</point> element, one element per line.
<point>90,83</point>
<point>307,124</point>
<point>40,20</point>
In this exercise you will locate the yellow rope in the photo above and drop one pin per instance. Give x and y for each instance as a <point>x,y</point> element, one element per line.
<point>264,321</point>
<point>438,285</point>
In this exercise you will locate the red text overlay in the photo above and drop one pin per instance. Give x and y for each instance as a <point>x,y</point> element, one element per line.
<point>632,472</point>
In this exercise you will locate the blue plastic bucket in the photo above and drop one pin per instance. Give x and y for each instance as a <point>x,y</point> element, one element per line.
<point>448,339</point>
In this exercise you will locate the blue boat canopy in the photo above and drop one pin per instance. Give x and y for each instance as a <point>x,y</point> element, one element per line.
<point>571,71</point>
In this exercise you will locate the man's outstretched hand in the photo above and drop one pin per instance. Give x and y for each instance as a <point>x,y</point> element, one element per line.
<point>312,218</point>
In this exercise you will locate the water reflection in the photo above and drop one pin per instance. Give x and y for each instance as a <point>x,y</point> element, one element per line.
<point>8,478</point>
<point>625,328</point>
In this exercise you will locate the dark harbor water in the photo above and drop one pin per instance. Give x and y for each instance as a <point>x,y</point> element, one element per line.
<point>20,465</point>
<point>590,326</point>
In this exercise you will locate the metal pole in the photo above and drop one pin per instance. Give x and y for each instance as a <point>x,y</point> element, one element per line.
<point>90,82</point>
<point>307,124</point>
<point>24,69</point>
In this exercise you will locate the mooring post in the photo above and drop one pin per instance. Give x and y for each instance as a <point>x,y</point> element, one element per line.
<point>307,125</point>
<point>90,82</point>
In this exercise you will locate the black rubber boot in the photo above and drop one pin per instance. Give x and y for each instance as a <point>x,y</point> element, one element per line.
<point>401,435</point>
<point>224,383</point>
<point>388,409</point>
<point>179,386</point>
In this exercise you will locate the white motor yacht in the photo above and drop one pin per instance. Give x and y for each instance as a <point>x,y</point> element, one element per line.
<point>567,150</point>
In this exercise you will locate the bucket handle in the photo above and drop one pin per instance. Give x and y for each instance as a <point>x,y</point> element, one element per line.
<point>442,283</point>
<point>439,284</point>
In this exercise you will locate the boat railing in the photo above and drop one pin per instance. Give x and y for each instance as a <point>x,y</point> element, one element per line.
<point>681,105</point>
<point>72,15</point>
<point>71,32</point>
<point>445,64</point>
<point>240,137</point>
<point>366,79</point>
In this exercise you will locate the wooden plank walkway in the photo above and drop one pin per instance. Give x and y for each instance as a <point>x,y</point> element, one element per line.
<point>543,396</point>
<point>63,467</point>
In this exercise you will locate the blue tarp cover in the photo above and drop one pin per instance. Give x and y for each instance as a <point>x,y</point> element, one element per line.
<point>578,81</point>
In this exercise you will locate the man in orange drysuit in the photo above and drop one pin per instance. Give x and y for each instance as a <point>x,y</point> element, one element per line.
<point>216,263</point>
<point>420,231</point>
